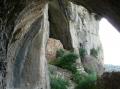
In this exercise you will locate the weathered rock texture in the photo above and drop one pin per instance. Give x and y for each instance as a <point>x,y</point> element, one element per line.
<point>53,46</point>
<point>92,64</point>
<point>59,22</point>
<point>27,65</point>
<point>109,9</point>
<point>85,31</point>
<point>109,80</point>
<point>9,10</point>
<point>75,27</point>
<point>84,27</point>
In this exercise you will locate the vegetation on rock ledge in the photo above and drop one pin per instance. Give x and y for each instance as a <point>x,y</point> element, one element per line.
<point>58,83</point>
<point>85,81</point>
<point>66,60</point>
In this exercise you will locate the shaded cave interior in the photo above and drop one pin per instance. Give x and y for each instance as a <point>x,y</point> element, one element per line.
<point>59,25</point>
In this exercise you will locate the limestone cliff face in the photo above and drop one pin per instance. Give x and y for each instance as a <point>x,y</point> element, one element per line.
<point>84,27</point>
<point>23,46</point>
<point>75,27</point>
<point>104,8</point>
<point>27,65</point>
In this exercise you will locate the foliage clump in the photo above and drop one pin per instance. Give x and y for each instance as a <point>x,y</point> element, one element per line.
<point>67,61</point>
<point>85,81</point>
<point>58,83</point>
<point>60,53</point>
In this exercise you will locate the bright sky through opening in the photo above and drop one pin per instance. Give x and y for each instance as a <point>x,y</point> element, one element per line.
<point>110,39</point>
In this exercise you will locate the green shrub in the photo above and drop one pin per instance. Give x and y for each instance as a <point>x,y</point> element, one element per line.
<point>58,83</point>
<point>82,53</point>
<point>94,52</point>
<point>67,61</point>
<point>89,70</point>
<point>60,53</point>
<point>87,82</point>
<point>77,77</point>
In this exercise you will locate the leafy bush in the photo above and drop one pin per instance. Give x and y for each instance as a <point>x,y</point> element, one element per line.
<point>90,70</point>
<point>58,83</point>
<point>77,77</point>
<point>67,61</point>
<point>60,53</point>
<point>85,81</point>
<point>94,52</point>
<point>82,53</point>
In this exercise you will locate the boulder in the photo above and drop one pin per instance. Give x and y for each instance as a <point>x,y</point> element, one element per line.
<point>92,65</point>
<point>52,46</point>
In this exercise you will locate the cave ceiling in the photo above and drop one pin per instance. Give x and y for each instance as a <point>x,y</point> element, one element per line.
<point>110,9</point>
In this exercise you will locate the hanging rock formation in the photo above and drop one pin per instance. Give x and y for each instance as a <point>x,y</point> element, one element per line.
<point>109,9</point>
<point>27,65</point>
<point>9,10</point>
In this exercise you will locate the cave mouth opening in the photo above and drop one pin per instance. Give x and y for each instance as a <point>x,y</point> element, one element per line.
<point>110,39</point>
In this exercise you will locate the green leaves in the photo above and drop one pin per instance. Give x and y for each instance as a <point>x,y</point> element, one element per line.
<point>60,53</point>
<point>67,61</point>
<point>58,83</point>
<point>85,82</point>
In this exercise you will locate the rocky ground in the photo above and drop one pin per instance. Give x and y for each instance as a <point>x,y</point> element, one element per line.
<point>109,80</point>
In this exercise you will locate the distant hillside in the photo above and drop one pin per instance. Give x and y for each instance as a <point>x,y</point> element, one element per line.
<point>110,68</point>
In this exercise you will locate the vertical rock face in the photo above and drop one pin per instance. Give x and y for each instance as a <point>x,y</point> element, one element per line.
<point>84,27</point>
<point>75,27</point>
<point>27,66</point>
<point>9,11</point>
